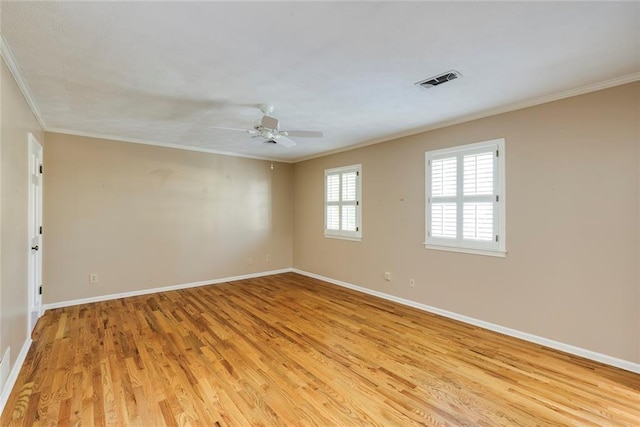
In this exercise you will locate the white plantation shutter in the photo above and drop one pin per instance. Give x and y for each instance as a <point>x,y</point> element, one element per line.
<point>477,219</point>
<point>443,177</point>
<point>443,220</point>
<point>342,202</point>
<point>443,191</point>
<point>465,198</point>
<point>349,218</point>
<point>333,217</point>
<point>349,186</point>
<point>333,188</point>
<point>478,173</point>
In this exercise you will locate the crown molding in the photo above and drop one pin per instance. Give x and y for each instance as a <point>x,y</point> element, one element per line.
<point>618,81</point>
<point>162,144</point>
<point>9,59</point>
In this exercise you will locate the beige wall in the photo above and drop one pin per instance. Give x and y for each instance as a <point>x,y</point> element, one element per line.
<point>571,273</point>
<point>142,217</point>
<point>16,122</point>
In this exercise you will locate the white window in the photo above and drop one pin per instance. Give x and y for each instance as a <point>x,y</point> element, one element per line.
<point>465,209</point>
<point>342,207</point>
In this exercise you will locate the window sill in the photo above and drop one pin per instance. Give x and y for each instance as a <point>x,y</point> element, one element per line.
<point>334,236</point>
<point>499,254</point>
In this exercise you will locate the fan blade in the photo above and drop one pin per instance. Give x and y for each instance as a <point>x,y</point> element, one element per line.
<point>223,128</point>
<point>284,141</point>
<point>269,122</point>
<point>303,133</point>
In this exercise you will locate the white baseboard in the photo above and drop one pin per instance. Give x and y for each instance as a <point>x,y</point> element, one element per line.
<point>567,348</point>
<point>587,354</point>
<point>5,367</point>
<point>13,375</point>
<point>162,289</point>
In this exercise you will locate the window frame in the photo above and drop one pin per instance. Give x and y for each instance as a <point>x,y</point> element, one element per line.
<point>344,234</point>
<point>498,197</point>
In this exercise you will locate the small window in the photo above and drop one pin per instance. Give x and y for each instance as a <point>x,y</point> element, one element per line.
<point>465,209</point>
<point>342,211</point>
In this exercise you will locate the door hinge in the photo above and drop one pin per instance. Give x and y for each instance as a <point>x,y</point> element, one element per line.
<point>358,203</point>
<point>496,237</point>
<point>40,290</point>
<point>357,228</point>
<point>497,153</point>
<point>357,173</point>
<point>40,229</point>
<point>40,168</point>
<point>497,198</point>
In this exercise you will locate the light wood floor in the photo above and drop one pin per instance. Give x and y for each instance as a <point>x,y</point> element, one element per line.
<point>290,350</point>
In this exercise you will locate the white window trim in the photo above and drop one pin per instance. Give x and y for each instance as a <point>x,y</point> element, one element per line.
<point>456,246</point>
<point>342,234</point>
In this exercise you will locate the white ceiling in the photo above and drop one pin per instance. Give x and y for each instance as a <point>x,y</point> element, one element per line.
<point>163,72</point>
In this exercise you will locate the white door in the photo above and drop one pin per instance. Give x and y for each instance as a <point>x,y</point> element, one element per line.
<point>35,231</point>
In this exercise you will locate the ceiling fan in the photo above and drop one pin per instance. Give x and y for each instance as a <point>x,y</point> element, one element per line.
<point>268,128</point>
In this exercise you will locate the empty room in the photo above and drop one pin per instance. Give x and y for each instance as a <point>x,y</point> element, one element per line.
<point>320,213</point>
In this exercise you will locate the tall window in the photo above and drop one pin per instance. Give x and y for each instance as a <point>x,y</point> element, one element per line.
<point>465,208</point>
<point>342,211</point>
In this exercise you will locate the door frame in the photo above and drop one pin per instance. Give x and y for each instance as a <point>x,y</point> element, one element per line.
<point>34,282</point>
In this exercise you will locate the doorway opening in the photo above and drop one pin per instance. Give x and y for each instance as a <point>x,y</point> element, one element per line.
<point>35,232</point>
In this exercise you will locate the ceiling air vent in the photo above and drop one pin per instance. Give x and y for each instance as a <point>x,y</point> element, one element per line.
<point>439,79</point>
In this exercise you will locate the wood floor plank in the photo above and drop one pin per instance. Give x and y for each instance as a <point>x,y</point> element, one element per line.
<point>291,350</point>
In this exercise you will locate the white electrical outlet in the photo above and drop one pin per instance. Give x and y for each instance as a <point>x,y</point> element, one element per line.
<point>250,260</point>
<point>387,276</point>
<point>412,283</point>
<point>268,257</point>
<point>93,278</point>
